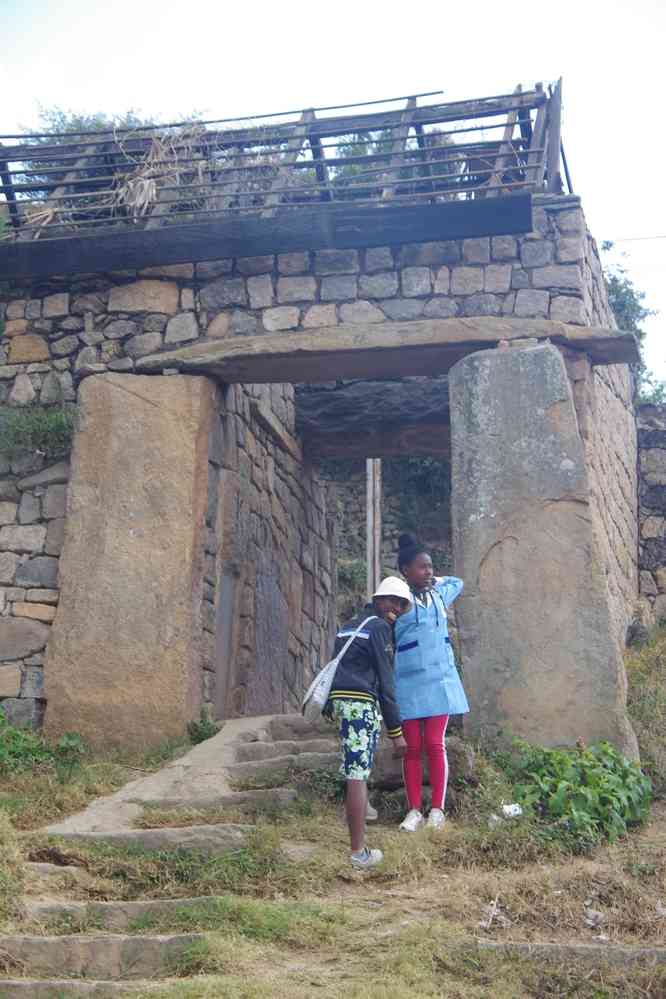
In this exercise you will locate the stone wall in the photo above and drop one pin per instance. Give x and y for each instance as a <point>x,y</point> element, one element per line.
<point>404,508</point>
<point>32,511</point>
<point>269,562</point>
<point>269,537</point>
<point>652,513</point>
<point>58,331</point>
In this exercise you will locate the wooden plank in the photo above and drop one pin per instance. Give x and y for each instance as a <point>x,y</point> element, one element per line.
<point>294,147</point>
<point>50,206</point>
<point>373,523</point>
<point>429,439</point>
<point>555,185</point>
<point>400,137</point>
<point>316,228</point>
<point>420,347</point>
<point>324,127</point>
<point>506,150</point>
<point>536,159</point>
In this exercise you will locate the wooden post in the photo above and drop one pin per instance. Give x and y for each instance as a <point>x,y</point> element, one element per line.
<point>373,510</point>
<point>554,140</point>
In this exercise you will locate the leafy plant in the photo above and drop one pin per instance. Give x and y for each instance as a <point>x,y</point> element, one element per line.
<point>203,729</point>
<point>37,428</point>
<point>23,749</point>
<point>627,303</point>
<point>581,795</point>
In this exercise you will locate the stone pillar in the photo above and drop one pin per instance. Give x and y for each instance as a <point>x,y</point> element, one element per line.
<point>124,658</point>
<point>538,650</point>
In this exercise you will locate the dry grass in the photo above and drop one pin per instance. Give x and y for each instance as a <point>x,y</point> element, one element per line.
<point>646,673</point>
<point>11,869</point>
<point>36,796</point>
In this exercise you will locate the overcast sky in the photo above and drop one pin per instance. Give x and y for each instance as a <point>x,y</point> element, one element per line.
<point>170,59</point>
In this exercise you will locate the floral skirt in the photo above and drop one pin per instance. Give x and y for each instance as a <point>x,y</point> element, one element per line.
<point>359,723</point>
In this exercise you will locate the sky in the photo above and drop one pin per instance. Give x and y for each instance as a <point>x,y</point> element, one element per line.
<point>225,59</point>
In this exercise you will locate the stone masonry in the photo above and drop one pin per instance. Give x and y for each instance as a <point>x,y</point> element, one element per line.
<point>55,333</point>
<point>58,332</point>
<point>32,517</point>
<point>652,514</point>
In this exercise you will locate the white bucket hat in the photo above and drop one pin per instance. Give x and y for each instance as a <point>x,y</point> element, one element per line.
<point>393,586</point>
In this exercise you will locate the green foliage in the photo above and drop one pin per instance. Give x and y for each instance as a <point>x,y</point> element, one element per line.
<point>205,728</point>
<point>37,428</point>
<point>627,303</point>
<point>581,795</point>
<point>22,749</point>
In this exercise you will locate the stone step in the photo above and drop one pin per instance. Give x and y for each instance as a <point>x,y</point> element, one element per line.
<point>250,751</point>
<point>278,765</point>
<point>212,839</point>
<point>64,988</point>
<point>112,916</point>
<point>102,956</point>
<point>279,796</point>
<point>288,727</point>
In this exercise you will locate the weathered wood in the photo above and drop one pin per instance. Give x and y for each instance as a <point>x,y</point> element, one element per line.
<point>428,439</point>
<point>536,157</point>
<point>398,147</point>
<point>420,347</point>
<point>347,409</point>
<point>323,127</point>
<point>50,205</point>
<point>10,194</point>
<point>506,150</point>
<point>554,140</point>
<point>373,523</point>
<point>321,227</point>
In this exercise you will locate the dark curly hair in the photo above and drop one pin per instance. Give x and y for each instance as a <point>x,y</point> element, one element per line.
<point>408,549</point>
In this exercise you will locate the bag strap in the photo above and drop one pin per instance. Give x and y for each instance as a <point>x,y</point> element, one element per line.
<point>361,626</point>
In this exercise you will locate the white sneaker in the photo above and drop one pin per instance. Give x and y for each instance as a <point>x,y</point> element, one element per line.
<point>371,814</point>
<point>412,821</point>
<point>366,859</point>
<point>436,819</point>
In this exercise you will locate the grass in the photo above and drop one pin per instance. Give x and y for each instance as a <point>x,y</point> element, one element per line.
<point>428,963</point>
<point>40,790</point>
<point>37,428</point>
<point>11,869</point>
<point>293,924</point>
<point>646,700</point>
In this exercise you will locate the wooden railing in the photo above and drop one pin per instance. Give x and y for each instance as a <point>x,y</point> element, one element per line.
<point>59,186</point>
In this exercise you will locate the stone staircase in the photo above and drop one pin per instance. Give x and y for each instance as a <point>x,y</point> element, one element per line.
<point>102,957</point>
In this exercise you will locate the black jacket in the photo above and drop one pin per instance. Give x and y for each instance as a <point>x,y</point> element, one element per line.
<point>365,673</point>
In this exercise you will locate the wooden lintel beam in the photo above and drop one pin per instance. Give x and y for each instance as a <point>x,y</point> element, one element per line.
<point>420,347</point>
<point>433,440</point>
<point>317,228</point>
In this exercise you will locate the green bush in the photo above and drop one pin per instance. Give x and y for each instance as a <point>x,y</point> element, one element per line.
<point>581,795</point>
<point>23,749</point>
<point>49,430</point>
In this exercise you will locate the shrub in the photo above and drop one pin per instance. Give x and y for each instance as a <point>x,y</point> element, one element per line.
<point>49,430</point>
<point>581,795</point>
<point>23,749</point>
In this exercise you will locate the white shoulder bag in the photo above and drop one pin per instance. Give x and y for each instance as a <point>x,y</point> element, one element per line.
<point>318,691</point>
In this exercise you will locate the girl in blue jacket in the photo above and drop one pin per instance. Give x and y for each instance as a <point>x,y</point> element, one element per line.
<point>428,688</point>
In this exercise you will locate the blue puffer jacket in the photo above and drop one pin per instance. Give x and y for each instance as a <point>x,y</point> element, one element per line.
<point>426,678</point>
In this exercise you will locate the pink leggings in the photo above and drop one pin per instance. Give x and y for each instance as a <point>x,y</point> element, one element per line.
<point>432,733</point>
